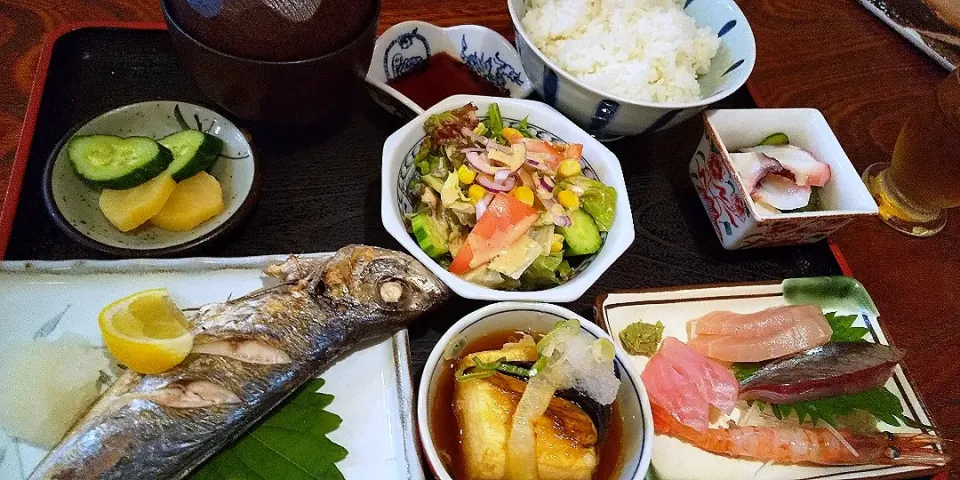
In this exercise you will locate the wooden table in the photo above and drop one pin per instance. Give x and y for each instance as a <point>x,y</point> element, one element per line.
<point>826,54</point>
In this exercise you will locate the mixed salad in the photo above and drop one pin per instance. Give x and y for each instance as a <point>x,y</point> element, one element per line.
<point>501,208</point>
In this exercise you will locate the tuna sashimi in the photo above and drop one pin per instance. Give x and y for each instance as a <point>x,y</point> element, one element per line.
<point>832,369</point>
<point>716,384</point>
<point>676,394</point>
<point>686,384</point>
<point>781,193</point>
<point>756,324</point>
<point>760,336</point>
<point>753,166</point>
<point>806,169</point>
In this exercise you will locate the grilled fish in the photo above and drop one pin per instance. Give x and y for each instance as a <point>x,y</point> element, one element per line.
<point>249,354</point>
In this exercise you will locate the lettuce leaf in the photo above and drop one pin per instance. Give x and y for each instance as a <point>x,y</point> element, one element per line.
<point>597,199</point>
<point>544,272</point>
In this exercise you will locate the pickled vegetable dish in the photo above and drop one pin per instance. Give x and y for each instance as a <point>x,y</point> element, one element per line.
<point>502,208</point>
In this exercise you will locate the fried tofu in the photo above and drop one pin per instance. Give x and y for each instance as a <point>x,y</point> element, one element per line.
<point>566,436</point>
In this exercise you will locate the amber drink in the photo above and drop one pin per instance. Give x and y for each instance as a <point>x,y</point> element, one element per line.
<point>923,179</point>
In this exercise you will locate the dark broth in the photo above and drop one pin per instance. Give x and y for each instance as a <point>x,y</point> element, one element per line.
<point>440,77</point>
<point>446,433</point>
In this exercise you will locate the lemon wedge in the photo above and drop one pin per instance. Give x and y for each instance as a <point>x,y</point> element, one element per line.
<point>146,331</point>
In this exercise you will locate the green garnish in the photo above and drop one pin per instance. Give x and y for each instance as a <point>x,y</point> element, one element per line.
<point>778,138</point>
<point>879,402</point>
<point>524,128</point>
<point>292,443</point>
<point>641,338</point>
<point>843,329</point>
<point>481,369</point>
<point>495,120</point>
<point>839,294</point>
<point>744,371</point>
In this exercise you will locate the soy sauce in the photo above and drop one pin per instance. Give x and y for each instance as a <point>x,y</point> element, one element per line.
<point>441,76</point>
<point>446,432</point>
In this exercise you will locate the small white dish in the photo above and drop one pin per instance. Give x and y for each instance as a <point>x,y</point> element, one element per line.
<point>406,45</point>
<point>398,170</point>
<point>609,117</point>
<point>539,317</point>
<point>674,459</point>
<point>372,387</point>
<point>74,205</point>
<point>736,220</point>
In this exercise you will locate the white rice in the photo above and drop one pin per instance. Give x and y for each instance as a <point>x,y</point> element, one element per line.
<point>641,50</point>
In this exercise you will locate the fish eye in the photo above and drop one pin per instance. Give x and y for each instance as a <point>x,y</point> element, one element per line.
<point>393,292</point>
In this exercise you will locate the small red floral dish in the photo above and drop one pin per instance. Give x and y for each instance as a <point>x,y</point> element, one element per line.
<point>741,223</point>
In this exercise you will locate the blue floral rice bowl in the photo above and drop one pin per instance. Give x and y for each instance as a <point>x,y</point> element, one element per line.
<point>606,114</point>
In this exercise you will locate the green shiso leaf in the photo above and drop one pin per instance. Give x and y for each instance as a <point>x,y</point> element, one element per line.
<point>879,402</point>
<point>843,329</point>
<point>291,444</point>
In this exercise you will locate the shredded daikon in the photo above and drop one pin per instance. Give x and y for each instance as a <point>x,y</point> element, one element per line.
<point>765,465</point>
<point>840,437</point>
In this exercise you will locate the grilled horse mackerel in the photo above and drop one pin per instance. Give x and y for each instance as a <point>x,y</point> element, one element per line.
<point>249,354</point>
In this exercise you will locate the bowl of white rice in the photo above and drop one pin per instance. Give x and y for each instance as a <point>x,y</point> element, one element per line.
<point>624,67</point>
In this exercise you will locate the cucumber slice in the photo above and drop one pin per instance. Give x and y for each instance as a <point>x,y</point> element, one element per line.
<point>429,234</point>
<point>583,237</point>
<point>778,138</point>
<point>117,163</point>
<point>193,152</point>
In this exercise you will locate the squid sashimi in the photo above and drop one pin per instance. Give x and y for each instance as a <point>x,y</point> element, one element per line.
<point>806,169</point>
<point>759,336</point>
<point>753,166</point>
<point>685,383</point>
<point>781,193</point>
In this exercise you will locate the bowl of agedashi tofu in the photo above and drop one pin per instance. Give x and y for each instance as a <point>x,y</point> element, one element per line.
<point>151,179</point>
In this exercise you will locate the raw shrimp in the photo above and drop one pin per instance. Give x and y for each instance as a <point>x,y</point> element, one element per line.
<point>806,445</point>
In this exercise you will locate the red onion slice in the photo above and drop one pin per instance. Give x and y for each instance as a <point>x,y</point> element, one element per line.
<point>492,185</point>
<point>547,183</point>
<point>482,205</point>
<point>562,221</point>
<point>501,175</point>
<point>481,163</point>
<point>485,141</point>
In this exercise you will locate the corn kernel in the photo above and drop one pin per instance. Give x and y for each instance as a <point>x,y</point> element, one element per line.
<point>524,194</point>
<point>466,175</point>
<point>568,199</point>
<point>476,193</point>
<point>512,135</point>
<point>569,168</point>
<point>556,246</point>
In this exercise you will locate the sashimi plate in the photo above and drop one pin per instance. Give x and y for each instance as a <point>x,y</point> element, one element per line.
<point>372,387</point>
<point>675,459</point>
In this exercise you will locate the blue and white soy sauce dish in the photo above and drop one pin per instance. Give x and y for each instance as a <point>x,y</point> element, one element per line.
<point>608,117</point>
<point>408,45</point>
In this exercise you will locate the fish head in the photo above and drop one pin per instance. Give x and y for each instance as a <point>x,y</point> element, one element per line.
<point>380,279</point>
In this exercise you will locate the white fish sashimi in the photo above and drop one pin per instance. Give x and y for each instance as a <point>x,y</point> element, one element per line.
<point>806,169</point>
<point>752,166</point>
<point>781,193</point>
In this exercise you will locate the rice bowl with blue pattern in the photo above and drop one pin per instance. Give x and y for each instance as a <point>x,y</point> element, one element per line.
<point>624,67</point>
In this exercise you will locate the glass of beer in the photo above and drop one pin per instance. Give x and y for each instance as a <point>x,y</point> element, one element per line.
<point>923,179</point>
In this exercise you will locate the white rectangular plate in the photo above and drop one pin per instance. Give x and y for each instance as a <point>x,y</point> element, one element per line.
<point>674,459</point>
<point>372,387</point>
